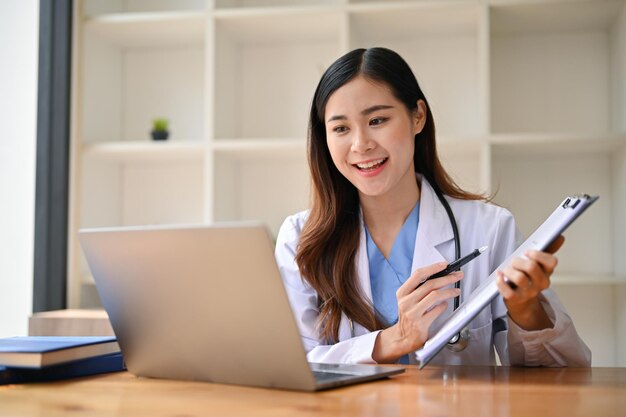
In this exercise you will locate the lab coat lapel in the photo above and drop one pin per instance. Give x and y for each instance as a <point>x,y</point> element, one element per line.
<point>434,229</point>
<point>363,266</point>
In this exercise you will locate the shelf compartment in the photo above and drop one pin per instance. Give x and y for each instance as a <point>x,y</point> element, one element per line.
<point>555,66</point>
<point>267,68</point>
<point>595,311</point>
<point>285,25</point>
<point>267,188</point>
<point>150,29</point>
<point>402,20</point>
<point>116,193</point>
<point>465,161</point>
<point>145,151</point>
<point>125,89</point>
<point>546,17</point>
<point>531,186</point>
<point>442,49</point>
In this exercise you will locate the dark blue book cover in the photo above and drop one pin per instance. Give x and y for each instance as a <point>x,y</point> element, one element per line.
<point>42,351</point>
<point>84,367</point>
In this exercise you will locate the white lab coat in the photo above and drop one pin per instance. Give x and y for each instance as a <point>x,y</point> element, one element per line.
<point>479,224</point>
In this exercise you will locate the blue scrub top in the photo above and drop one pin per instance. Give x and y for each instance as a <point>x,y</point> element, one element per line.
<point>387,275</point>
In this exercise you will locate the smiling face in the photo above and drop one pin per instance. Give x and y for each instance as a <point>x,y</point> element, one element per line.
<point>371,137</point>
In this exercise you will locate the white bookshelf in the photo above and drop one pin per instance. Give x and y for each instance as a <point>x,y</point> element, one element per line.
<point>528,96</point>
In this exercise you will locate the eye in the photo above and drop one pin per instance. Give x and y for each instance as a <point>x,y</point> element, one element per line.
<point>378,121</point>
<point>340,129</point>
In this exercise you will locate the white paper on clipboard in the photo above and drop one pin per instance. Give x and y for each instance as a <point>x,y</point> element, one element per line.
<point>552,227</point>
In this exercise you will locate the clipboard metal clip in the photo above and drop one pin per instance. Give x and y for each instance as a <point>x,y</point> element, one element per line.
<point>572,202</point>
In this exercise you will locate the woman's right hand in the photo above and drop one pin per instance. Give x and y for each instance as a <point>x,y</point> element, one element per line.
<point>417,309</point>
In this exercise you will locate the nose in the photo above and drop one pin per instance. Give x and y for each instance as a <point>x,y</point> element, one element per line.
<point>362,142</point>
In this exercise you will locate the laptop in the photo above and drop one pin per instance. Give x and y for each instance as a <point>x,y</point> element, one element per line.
<point>206,303</point>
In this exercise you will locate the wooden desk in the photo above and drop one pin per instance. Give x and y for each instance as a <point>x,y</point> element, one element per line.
<point>445,391</point>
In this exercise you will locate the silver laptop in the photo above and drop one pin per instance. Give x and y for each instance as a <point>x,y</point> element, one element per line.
<point>206,303</point>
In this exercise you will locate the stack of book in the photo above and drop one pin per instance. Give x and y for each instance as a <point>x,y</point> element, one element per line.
<point>49,358</point>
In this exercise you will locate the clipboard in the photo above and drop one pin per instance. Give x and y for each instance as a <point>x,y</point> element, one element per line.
<point>550,229</point>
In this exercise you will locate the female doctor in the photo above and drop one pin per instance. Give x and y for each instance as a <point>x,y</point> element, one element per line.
<point>353,263</point>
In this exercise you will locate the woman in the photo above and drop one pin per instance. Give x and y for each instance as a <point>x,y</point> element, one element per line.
<point>353,263</point>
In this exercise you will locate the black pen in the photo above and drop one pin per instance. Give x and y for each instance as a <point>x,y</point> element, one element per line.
<point>456,265</point>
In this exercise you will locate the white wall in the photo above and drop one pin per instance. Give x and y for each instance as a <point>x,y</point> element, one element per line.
<point>19,29</point>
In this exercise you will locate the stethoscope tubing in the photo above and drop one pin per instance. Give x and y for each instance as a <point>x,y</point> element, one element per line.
<point>461,339</point>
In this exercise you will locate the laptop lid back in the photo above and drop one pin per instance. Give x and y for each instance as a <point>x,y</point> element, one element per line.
<point>198,303</point>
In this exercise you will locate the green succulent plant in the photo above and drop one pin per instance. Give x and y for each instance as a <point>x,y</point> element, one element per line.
<point>160,124</point>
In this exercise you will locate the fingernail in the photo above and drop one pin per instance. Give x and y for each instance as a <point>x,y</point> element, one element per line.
<point>510,283</point>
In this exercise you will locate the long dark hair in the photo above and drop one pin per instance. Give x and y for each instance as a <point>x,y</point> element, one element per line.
<point>329,242</point>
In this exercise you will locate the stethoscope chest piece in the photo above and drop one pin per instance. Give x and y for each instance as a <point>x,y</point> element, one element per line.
<point>460,340</point>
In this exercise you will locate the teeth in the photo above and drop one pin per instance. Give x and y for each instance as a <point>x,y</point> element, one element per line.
<point>370,164</point>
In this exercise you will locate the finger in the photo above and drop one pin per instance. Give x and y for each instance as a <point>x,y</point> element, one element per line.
<point>503,286</point>
<point>431,315</point>
<point>537,274</point>
<point>414,308</point>
<point>530,281</point>
<point>546,261</point>
<point>434,298</point>
<point>517,277</point>
<point>418,276</point>
<point>433,285</point>
<point>531,268</point>
<point>444,281</point>
<point>556,244</point>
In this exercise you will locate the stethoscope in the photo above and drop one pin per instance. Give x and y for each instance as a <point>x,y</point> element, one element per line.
<point>460,340</point>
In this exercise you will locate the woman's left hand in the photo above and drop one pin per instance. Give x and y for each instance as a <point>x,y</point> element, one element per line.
<point>523,280</point>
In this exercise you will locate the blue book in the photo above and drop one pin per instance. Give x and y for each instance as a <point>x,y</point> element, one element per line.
<point>42,351</point>
<point>84,367</point>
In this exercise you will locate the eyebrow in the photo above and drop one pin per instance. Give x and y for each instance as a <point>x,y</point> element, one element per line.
<point>365,112</point>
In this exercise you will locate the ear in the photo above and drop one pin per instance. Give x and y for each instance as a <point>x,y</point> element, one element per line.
<point>419,117</point>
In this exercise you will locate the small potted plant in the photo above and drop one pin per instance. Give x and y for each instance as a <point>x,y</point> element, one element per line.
<point>160,129</point>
